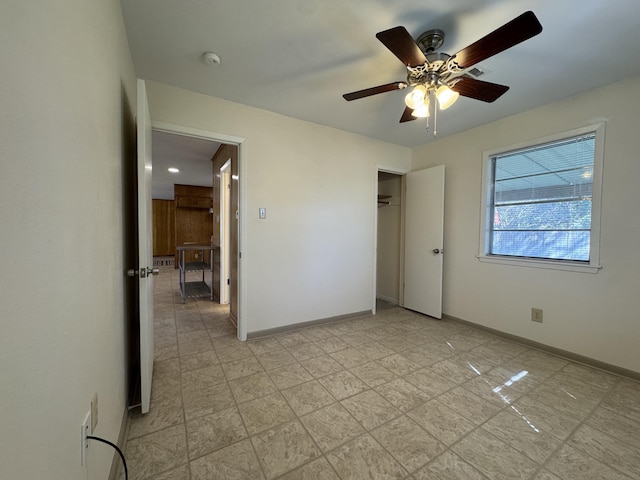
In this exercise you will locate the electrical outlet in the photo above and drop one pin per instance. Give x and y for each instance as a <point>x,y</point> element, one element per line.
<point>536,315</point>
<point>94,412</point>
<point>85,431</point>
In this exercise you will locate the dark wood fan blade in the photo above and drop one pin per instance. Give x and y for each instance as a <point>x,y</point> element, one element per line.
<point>406,115</point>
<point>402,46</point>
<point>478,89</point>
<point>512,33</point>
<point>367,92</point>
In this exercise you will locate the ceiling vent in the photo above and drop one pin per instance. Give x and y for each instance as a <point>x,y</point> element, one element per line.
<point>475,72</point>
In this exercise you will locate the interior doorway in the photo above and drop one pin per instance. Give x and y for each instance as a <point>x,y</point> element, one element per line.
<point>389,238</point>
<point>236,270</point>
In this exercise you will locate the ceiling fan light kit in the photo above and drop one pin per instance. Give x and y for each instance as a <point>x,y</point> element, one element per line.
<point>443,76</point>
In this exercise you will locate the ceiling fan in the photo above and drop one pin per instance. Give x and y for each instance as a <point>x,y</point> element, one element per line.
<point>434,74</point>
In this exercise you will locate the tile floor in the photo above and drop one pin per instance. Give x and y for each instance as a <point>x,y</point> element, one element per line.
<point>391,396</point>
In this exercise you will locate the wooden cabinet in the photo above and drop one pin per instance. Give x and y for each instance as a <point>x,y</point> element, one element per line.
<point>164,237</point>
<point>193,220</point>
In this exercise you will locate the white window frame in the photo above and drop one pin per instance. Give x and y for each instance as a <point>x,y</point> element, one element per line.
<point>593,265</point>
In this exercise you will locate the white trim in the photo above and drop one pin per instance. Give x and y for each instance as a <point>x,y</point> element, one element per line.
<point>241,143</point>
<point>593,266</point>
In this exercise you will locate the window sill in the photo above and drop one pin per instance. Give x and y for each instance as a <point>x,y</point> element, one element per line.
<point>548,264</point>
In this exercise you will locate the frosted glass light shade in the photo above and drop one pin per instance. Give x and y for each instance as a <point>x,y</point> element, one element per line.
<point>415,98</point>
<point>422,111</point>
<point>446,97</point>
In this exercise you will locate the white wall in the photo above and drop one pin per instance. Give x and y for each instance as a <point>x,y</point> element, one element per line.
<point>312,257</point>
<point>595,315</point>
<point>389,237</point>
<point>61,233</point>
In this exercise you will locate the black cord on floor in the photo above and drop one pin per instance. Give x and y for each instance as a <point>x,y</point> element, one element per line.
<point>124,462</point>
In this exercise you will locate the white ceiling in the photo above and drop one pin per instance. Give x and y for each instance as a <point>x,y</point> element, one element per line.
<point>192,156</point>
<point>297,57</point>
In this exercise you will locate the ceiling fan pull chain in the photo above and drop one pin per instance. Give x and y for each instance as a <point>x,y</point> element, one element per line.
<point>435,120</point>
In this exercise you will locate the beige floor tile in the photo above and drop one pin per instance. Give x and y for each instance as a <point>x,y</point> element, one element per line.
<point>375,350</point>
<point>342,384</point>
<point>307,397</point>
<point>212,375</point>
<point>422,356</point>
<point>156,453</point>
<point>364,458</point>
<point>289,376</point>
<point>370,408</point>
<point>291,339</point>
<point>284,448</point>
<point>161,415</point>
<point>469,405</point>
<point>350,357</point>
<point>449,466</point>
<point>447,377</point>
<point>607,449</point>
<point>356,338</point>
<point>321,366</point>
<point>199,346</point>
<point>570,463</point>
<point>264,345</point>
<point>545,475</point>
<point>332,344</point>
<point>316,334</point>
<point>455,371</point>
<point>198,361</point>
<point>522,435</point>
<point>254,386</point>
<point>277,358</point>
<point>443,423</point>
<point>544,418</point>
<point>215,431</point>
<point>625,399</point>
<point>429,382</point>
<point>331,426</point>
<point>373,373</point>
<point>180,473</point>
<point>399,364</point>
<point>402,395</point>
<point>411,445</point>
<point>203,399</point>
<point>316,470</point>
<point>233,352</point>
<point>494,458</point>
<point>617,426</point>
<point>305,351</point>
<point>235,462</point>
<point>265,412</point>
<point>569,402</point>
<point>242,368</point>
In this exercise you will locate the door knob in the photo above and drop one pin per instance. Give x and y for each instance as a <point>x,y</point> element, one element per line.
<point>144,272</point>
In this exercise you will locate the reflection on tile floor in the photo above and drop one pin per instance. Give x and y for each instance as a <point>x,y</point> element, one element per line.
<point>391,396</point>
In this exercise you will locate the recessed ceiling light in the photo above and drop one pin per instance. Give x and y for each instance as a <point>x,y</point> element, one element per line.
<point>173,170</point>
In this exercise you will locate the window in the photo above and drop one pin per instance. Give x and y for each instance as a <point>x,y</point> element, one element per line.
<point>542,201</point>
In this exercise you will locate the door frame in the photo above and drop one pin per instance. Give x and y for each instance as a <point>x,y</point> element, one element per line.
<point>225,231</point>
<point>400,172</point>
<point>241,143</point>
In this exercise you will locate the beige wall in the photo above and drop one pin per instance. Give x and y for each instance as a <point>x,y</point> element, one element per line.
<point>312,257</point>
<point>596,315</point>
<point>65,69</point>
